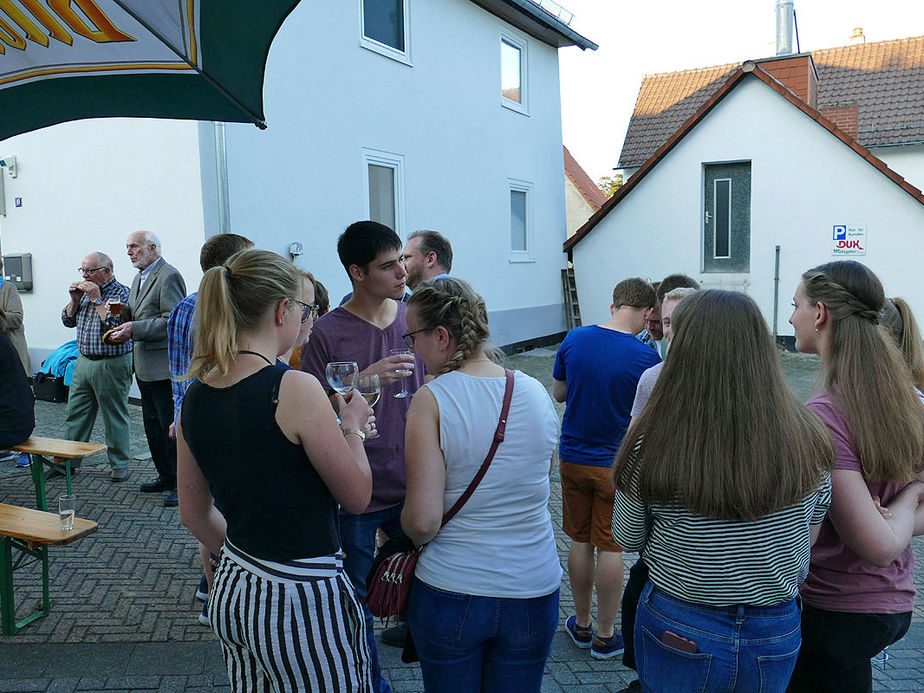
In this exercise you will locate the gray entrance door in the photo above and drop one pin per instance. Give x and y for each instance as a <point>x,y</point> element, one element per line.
<point>727,218</point>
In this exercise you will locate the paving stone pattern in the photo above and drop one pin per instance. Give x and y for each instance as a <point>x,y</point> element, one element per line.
<point>124,614</point>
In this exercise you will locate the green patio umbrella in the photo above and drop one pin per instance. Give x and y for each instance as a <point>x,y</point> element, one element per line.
<point>64,60</point>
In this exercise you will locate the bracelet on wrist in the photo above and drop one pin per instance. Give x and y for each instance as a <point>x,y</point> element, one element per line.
<point>355,432</point>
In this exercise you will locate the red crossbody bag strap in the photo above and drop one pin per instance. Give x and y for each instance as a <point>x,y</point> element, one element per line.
<point>498,437</point>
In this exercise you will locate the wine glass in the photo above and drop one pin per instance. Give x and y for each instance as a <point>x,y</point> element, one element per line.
<point>370,387</point>
<point>341,375</point>
<point>401,351</point>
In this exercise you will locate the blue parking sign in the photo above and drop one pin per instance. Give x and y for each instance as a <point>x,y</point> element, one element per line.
<point>840,232</point>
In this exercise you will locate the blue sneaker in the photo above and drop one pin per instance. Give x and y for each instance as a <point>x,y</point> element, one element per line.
<point>582,637</point>
<point>202,592</point>
<point>23,460</point>
<point>204,616</point>
<point>605,648</point>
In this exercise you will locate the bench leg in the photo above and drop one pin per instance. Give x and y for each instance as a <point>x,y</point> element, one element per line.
<point>7,611</point>
<point>38,480</point>
<point>7,604</point>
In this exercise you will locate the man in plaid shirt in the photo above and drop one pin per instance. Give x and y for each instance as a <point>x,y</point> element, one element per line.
<point>103,374</point>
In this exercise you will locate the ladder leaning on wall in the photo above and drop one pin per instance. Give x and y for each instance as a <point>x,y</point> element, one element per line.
<point>572,309</point>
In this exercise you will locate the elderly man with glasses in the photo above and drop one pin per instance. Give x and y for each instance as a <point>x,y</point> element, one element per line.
<point>103,374</point>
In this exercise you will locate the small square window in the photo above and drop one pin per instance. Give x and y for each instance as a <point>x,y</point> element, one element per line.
<point>384,28</point>
<point>383,21</point>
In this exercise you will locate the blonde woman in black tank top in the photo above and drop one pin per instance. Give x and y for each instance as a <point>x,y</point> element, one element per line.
<point>263,465</point>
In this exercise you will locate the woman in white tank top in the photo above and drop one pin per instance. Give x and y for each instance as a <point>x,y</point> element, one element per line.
<point>484,606</point>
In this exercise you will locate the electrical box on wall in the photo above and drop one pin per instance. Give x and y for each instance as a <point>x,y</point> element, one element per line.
<point>17,268</point>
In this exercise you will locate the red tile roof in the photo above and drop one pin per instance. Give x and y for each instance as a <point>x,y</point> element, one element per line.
<point>747,69</point>
<point>585,185</point>
<point>884,79</point>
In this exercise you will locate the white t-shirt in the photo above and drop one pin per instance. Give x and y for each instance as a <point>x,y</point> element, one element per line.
<point>501,543</point>
<point>645,385</point>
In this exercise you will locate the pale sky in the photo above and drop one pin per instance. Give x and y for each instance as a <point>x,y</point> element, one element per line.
<point>599,88</point>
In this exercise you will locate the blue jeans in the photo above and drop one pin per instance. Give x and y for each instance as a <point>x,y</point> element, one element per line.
<point>747,649</point>
<point>357,538</point>
<point>469,643</point>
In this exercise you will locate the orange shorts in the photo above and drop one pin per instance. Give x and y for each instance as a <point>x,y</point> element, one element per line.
<point>587,494</point>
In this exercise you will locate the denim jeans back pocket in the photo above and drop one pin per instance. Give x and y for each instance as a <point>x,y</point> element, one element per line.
<point>665,668</point>
<point>775,671</point>
<point>438,614</point>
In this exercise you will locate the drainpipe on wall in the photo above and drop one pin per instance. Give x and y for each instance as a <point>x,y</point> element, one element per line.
<point>776,290</point>
<point>221,173</point>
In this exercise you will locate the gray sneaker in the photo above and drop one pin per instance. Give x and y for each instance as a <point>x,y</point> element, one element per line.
<point>119,474</point>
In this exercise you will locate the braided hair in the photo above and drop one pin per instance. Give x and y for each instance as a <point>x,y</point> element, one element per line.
<point>452,303</point>
<point>864,373</point>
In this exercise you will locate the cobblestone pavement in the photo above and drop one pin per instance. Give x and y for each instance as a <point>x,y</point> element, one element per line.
<point>124,613</point>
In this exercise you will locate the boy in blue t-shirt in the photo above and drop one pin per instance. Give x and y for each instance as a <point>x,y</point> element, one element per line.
<point>596,373</point>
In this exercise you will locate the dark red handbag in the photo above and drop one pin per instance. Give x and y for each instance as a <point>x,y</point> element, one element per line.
<point>392,573</point>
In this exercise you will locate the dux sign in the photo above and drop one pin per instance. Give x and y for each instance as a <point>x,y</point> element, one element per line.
<point>848,240</point>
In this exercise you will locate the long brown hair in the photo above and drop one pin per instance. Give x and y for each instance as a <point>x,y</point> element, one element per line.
<point>235,296</point>
<point>722,434</point>
<point>897,317</point>
<point>452,303</point>
<point>864,373</point>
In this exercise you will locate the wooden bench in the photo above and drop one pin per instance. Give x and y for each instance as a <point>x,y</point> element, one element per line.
<point>30,532</point>
<point>61,452</point>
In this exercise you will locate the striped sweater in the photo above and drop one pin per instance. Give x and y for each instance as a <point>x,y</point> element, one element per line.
<point>720,562</point>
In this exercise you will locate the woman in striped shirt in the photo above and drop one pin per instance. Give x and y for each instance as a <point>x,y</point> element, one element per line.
<point>721,484</point>
<point>859,593</point>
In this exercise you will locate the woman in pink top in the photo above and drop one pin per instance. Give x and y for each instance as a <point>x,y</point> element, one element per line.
<point>859,594</point>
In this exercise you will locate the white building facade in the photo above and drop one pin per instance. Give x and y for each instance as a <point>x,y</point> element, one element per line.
<point>443,116</point>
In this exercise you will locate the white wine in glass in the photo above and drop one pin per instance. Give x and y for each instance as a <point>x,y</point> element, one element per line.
<point>341,375</point>
<point>370,387</point>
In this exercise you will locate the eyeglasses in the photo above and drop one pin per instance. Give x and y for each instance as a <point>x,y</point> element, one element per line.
<point>409,338</point>
<point>81,270</point>
<point>308,311</point>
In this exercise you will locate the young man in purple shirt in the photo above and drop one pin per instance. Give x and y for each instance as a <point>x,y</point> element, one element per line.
<point>364,330</point>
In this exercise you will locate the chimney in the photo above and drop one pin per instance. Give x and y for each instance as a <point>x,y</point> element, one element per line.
<point>844,116</point>
<point>784,26</point>
<point>857,35</point>
<point>795,72</point>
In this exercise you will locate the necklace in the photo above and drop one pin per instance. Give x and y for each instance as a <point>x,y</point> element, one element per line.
<point>254,353</point>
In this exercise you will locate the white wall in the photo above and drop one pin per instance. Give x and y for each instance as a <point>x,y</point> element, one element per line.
<point>84,187</point>
<point>578,209</point>
<point>327,98</point>
<point>803,181</point>
<point>908,160</point>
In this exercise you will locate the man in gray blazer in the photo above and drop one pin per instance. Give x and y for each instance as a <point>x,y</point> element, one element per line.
<point>155,291</point>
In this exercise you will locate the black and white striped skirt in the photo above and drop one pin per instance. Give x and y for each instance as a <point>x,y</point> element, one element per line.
<point>294,626</point>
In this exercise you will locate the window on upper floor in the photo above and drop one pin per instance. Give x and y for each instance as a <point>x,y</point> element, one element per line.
<point>513,72</point>
<point>384,174</point>
<point>727,217</point>
<point>385,27</point>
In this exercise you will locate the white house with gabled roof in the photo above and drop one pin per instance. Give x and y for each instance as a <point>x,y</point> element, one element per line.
<point>754,187</point>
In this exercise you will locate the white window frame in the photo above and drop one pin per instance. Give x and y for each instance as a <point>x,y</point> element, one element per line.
<point>520,43</point>
<point>383,48</point>
<point>517,256</point>
<point>395,162</point>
